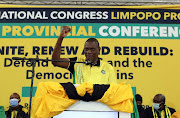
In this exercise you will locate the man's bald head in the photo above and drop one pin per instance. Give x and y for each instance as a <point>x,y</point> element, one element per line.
<point>15,95</point>
<point>159,98</point>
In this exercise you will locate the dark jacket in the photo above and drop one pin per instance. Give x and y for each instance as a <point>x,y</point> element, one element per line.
<point>141,111</point>
<point>149,114</point>
<point>20,114</point>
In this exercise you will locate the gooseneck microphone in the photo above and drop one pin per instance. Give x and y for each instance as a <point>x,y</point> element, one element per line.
<point>87,62</point>
<point>17,58</point>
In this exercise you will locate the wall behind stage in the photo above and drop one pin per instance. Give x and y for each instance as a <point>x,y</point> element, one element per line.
<point>141,43</point>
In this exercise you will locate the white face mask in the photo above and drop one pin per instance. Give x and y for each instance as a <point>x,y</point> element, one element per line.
<point>156,106</point>
<point>14,102</point>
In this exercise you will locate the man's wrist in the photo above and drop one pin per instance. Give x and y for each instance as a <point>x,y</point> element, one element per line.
<point>61,37</point>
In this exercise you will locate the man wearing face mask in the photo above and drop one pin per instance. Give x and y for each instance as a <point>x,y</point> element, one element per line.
<point>95,71</point>
<point>139,105</point>
<point>159,109</point>
<point>16,110</point>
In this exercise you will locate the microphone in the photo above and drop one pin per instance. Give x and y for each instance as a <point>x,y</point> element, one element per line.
<point>88,62</point>
<point>24,58</point>
<point>17,58</point>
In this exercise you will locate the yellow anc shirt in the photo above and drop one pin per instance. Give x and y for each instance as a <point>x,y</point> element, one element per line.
<point>101,74</point>
<point>14,114</point>
<point>162,114</point>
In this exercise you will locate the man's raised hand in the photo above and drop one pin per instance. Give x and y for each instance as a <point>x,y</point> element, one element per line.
<point>65,30</point>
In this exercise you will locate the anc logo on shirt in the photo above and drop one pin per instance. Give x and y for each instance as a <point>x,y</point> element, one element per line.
<point>103,72</point>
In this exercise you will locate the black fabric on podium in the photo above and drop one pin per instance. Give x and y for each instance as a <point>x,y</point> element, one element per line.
<point>98,92</point>
<point>70,90</point>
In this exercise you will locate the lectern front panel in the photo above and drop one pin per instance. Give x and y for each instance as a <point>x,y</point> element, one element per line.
<point>87,114</point>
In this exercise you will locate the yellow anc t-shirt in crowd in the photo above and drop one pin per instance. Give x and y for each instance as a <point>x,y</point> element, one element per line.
<point>99,73</point>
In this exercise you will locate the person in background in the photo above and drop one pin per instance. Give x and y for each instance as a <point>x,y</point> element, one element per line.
<point>176,114</point>
<point>159,109</point>
<point>139,105</point>
<point>2,112</point>
<point>15,110</point>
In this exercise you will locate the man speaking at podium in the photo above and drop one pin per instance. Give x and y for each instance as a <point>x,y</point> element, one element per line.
<point>95,70</point>
<point>52,98</point>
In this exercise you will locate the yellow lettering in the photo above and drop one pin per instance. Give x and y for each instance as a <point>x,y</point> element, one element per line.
<point>24,30</point>
<point>178,16</point>
<point>140,17</point>
<point>156,14</point>
<point>55,30</point>
<point>73,30</point>
<point>148,14</point>
<point>173,16</point>
<point>5,30</point>
<point>82,31</point>
<point>112,15</point>
<point>133,14</point>
<point>166,14</point>
<point>90,33</point>
<point>124,16</point>
<point>38,30</point>
<point>47,31</point>
<point>16,31</point>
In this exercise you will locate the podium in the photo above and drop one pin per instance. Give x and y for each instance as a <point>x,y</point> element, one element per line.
<point>92,109</point>
<point>50,101</point>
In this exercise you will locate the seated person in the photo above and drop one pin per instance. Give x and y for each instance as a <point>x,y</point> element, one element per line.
<point>139,105</point>
<point>176,114</point>
<point>16,110</point>
<point>159,109</point>
<point>2,112</point>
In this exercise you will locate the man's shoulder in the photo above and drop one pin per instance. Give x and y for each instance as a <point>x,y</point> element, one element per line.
<point>80,59</point>
<point>105,64</point>
<point>149,108</point>
<point>23,109</point>
<point>172,110</point>
<point>7,108</point>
